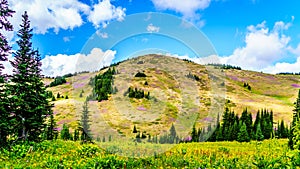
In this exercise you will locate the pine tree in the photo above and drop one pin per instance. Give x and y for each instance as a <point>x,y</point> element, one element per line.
<point>235,130</point>
<point>29,96</point>
<point>256,122</point>
<point>293,136</point>
<point>5,25</point>
<point>282,130</point>
<point>84,122</point>
<point>65,132</point>
<point>134,129</point>
<point>50,132</point>
<point>76,134</point>
<point>172,134</point>
<point>243,134</point>
<point>247,119</point>
<point>194,134</point>
<point>259,135</point>
<point>226,124</point>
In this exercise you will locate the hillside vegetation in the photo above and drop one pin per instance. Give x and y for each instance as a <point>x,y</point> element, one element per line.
<point>70,154</point>
<point>181,92</point>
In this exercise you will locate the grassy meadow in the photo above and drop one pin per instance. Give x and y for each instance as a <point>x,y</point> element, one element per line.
<point>70,154</point>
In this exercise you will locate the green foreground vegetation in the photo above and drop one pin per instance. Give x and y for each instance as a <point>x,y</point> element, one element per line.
<point>69,154</point>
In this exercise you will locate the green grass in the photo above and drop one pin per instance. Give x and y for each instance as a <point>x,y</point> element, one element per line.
<point>69,154</point>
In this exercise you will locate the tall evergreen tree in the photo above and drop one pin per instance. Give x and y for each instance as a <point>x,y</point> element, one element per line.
<point>29,97</point>
<point>65,132</point>
<point>50,131</point>
<point>226,123</point>
<point>243,134</point>
<point>293,136</point>
<point>194,134</point>
<point>173,134</point>
<point>85,127</point>
<point>256,122</point>
<point>259,135</point>
<point>235,131</point>
<point>5,25</point>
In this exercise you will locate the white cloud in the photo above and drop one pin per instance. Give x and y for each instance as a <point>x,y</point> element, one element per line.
<point>103,35</point>
<point>151,28</point>
<point>284,67</point>
<point>54,14</point>
<point>187,8</point>
<point>62,64</point>
<point>67,38</point>
<point>263,47</point>
<point>104,11</point>
<point>202,60</point>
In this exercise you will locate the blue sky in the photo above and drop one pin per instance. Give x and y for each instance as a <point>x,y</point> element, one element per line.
<point>258,35</point>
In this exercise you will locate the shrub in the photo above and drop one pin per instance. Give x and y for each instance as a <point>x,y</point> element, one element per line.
<point>140,74</point>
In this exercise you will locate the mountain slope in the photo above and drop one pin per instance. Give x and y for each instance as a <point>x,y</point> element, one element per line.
<point>181,92</point>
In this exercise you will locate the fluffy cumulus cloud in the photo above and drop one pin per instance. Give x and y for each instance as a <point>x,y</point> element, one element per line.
<point>187,8</point>
<point>104,11</point>
<point>284,67</point>
<point>151,28</point>
<point>64,14</point>
<point>62,64</point>
<point>263,47</point>
<point>54,14</point>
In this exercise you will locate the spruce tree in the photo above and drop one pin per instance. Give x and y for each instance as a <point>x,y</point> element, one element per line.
<point>28,94</point>
<point>256,122</point>
<point>65,132</point>
<point>294,136</point>
<point>84,122</point>
<point>134,129</point>
<point>5,25</point>
<point>282,130</point>
<point>235,131</point>
<point>50,132</point>
<point>76,135</point>
<point>194,134</point>
<point>172,134</point>
<point>258,135</point>
<point>243,134</point>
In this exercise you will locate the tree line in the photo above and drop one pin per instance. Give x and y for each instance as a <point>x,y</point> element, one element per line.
<point>225,66</point>
<point>288,73</point>
<point>242,129</point>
